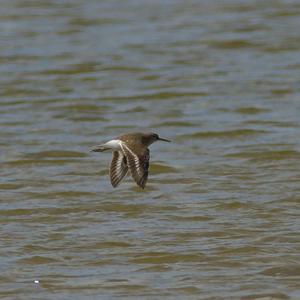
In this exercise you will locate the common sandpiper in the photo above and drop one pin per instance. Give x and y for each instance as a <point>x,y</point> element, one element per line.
<point>130,153</point>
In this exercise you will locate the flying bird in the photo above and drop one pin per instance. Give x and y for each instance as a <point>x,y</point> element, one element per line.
<point>130,154</point>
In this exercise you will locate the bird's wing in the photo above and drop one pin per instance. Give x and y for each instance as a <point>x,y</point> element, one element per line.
<point>118,168</point>
<point>138,164</point>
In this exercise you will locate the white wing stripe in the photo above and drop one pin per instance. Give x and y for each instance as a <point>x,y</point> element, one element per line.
<point>136,159</point>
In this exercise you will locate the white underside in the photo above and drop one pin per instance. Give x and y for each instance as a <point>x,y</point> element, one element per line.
<point>114,145</point>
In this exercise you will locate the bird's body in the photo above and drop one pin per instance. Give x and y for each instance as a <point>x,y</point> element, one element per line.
<point>130,154</point>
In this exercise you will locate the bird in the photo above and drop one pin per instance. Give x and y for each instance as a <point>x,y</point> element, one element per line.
<point>130,155</point>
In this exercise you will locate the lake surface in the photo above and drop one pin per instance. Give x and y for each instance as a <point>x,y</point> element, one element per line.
<point>220,216</point>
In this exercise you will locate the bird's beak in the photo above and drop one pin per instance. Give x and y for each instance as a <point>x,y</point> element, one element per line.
<point>164,140</point>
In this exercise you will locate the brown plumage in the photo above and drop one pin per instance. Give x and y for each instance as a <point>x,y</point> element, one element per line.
<point>130,153</point>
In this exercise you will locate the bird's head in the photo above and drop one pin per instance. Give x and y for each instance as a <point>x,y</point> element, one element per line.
<point>150,138</point>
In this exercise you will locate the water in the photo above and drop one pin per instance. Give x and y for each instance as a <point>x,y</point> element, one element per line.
<point>219,218</point>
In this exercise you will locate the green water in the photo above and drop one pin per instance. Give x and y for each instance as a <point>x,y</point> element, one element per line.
<point>219,218</point>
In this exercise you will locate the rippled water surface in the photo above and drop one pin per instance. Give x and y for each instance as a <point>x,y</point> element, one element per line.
<point>219,218</point>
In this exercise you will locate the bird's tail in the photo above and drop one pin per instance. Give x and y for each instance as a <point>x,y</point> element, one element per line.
<point>99,148</point>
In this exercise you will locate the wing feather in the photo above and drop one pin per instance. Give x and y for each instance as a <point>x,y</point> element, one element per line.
<point>118,168</point>
<point>138,165</point>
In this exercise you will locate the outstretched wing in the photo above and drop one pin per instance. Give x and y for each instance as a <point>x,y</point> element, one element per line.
<point>138,164</point>
<point>118,168</point>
